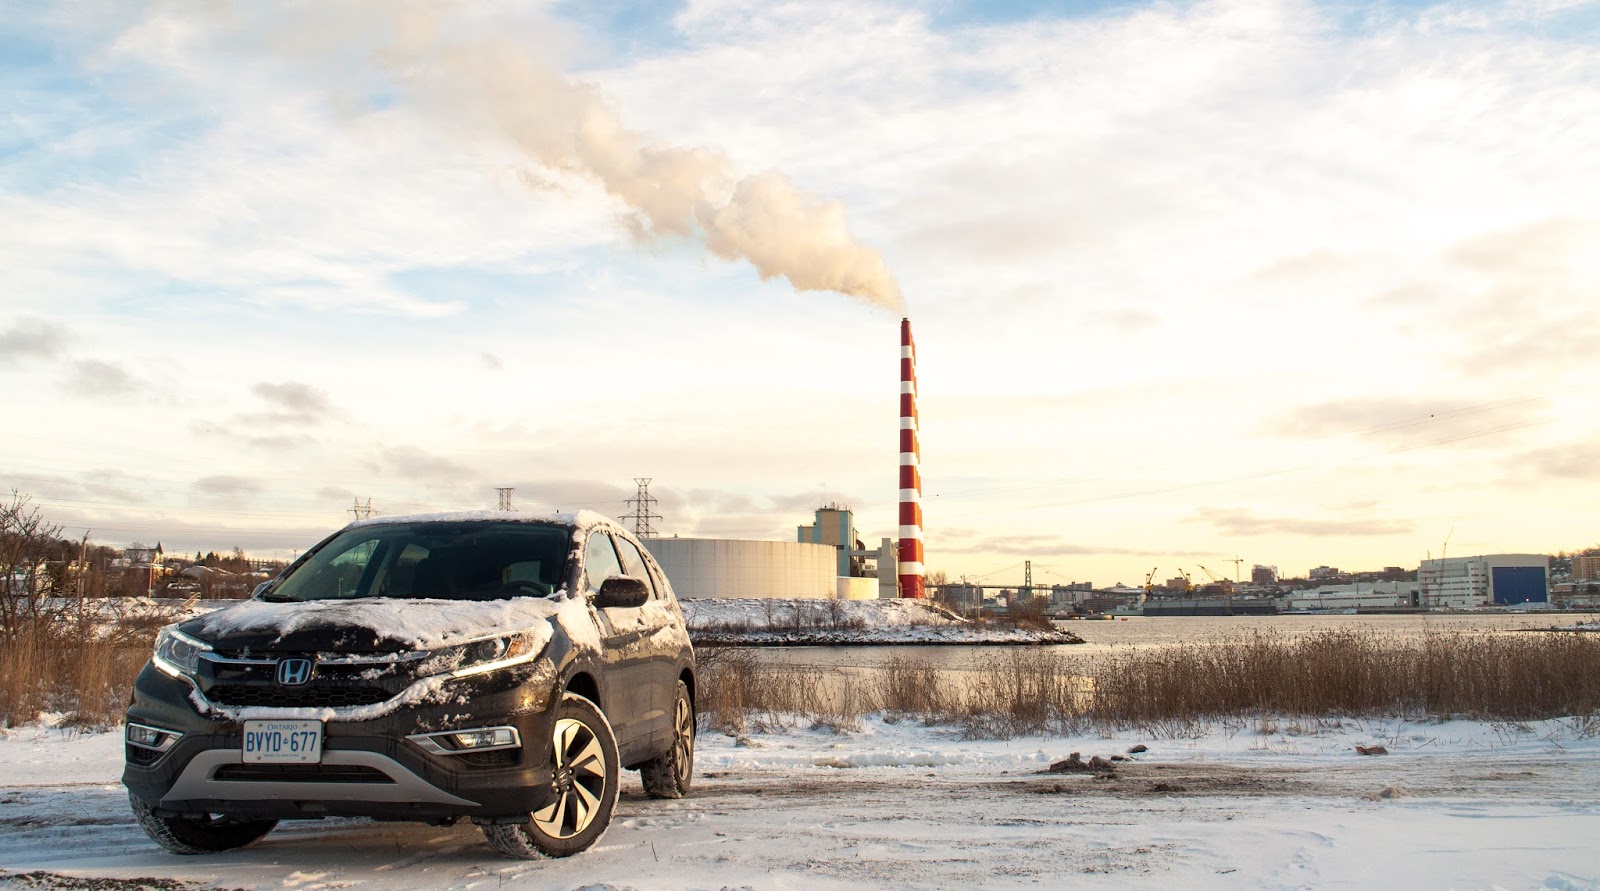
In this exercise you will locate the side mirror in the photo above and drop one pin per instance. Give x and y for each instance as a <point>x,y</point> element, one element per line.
<point>261,587</point>
<point>622,591</point>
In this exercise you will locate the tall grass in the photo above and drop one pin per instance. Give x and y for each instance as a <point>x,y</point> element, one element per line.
<point>1178,689</point>
<point>75,666</point>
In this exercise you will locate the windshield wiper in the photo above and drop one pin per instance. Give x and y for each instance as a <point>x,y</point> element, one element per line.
<point>270,597</point>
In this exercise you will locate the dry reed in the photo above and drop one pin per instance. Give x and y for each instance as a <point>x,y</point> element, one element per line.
<point>1178,690</point>
<point>73,666</point>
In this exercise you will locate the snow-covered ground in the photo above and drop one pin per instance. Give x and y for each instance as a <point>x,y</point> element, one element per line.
<point>1452,805</point>
<point>801,622</point>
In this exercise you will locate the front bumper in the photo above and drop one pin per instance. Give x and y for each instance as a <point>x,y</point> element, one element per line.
<point>368,767</point>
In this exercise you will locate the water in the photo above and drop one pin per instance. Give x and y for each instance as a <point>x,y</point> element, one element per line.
<point>1121,635</point>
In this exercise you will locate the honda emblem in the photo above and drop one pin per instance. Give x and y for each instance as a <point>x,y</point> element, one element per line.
<point>294,672</point>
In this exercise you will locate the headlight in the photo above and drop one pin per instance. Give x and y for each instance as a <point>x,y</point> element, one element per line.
<point>487,655</point>
<point>178,653</point>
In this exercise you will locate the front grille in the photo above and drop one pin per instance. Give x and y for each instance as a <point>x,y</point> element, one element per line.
<point>301,773</point>
<point>141,755</point>
<point>296,697</point>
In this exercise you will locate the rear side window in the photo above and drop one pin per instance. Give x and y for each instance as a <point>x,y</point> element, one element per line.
<point>633,564</point>
<point>599,560</point>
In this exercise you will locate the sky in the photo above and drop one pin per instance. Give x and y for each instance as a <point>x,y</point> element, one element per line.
<point>1299,284</point>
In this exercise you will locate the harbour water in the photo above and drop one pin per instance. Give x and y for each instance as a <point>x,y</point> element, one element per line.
<point>1104,637</point>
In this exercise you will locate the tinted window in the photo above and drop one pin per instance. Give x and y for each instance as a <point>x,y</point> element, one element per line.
<point>459,561</point>
<point>600,560</point>
<point>633,563</point>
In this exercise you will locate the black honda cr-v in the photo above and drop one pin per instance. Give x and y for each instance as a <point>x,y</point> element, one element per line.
<point>497,667</point>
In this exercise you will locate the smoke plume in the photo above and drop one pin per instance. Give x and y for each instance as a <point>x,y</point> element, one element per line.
<point>484,78</point>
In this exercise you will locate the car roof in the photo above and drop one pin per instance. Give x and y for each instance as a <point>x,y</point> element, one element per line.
<point>583,519</point>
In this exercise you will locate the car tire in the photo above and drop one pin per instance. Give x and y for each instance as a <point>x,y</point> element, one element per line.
<point>586,776</point>
<point>196,835</point>
<point>669,774</point>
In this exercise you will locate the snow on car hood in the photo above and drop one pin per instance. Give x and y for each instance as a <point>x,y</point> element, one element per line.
<point>414,623</point>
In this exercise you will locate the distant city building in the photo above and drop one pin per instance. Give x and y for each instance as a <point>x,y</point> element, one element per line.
<point>1493,579</point>
<point>139,555</point>
<point>1586,567</point>
<point>1263,575</point>
<point>1323,572</point>
<point>1355,596</point>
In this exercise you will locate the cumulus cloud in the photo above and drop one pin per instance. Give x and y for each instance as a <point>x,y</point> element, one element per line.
<point>32,339</point>
<point>298,401</point>
<point>99,379</point>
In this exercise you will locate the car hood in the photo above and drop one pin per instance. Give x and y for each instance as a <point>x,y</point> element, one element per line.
<point>369,625</point>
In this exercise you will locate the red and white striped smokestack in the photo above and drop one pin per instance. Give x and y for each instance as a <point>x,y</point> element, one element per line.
<point>910,471</point>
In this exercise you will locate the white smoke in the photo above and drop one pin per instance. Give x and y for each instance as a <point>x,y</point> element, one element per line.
<point>477,76</point>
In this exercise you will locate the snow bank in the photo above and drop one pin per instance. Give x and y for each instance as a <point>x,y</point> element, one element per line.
<point>802,622</point>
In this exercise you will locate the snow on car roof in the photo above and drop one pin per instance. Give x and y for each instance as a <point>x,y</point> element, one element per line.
<point>583,519</point>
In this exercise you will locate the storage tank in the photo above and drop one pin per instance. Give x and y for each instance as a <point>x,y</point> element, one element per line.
<point>726,568</point>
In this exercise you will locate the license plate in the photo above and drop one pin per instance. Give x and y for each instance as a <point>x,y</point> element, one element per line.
<point>282,742</point>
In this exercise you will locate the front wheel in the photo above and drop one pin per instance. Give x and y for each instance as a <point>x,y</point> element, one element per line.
<point>669,774</point>
<point>584,774</point>
<point>198,835</point>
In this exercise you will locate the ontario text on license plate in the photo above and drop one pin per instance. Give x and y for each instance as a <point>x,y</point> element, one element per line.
<point>282,742</point>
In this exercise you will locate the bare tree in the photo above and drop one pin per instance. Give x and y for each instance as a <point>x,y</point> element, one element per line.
<point>26,542</point>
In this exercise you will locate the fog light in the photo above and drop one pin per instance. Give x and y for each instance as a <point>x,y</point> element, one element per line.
<point>483,739</point>
<point>151,737</point>
<point>478,739</point>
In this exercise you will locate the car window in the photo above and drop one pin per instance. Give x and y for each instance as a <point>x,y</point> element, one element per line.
<point>400,580</point>
<point>478,560</point>
<point>599,560</point>
<point>633,563</point>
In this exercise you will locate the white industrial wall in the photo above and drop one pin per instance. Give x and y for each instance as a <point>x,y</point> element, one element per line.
<point>724,568</point>
<point>858,589</point>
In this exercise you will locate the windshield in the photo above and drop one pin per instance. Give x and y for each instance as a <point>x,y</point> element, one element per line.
<point>453,561</point>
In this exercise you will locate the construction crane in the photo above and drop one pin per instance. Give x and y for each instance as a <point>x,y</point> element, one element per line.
<point>1222,583</point>
<point>1188,582</point>
<point>1237,562</point>
<point>1149,585</point>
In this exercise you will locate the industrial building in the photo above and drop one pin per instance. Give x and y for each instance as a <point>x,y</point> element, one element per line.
<point>719,567</point>
<point>828,561</point>
<point>1488,580</point>
<point>1368,595</point>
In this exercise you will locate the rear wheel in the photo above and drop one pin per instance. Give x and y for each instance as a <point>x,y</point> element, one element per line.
<point>198,835</point>
<point>584,771</point>
<point>669,774</point>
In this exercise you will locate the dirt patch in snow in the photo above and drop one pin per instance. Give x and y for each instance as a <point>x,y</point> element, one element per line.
<point>54,881</point>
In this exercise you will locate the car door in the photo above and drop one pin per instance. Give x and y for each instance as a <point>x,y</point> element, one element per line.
<point>661,672</point>
<point>626,685</point>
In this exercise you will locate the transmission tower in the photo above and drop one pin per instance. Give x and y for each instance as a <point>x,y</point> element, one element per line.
<point>361,511</point>
<point>643,504</point>
<point>505,497</point>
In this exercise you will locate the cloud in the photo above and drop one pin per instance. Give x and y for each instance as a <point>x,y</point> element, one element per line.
<point>224,484</point>
<point>32,339</point>
<point>98,379</point>
<point>1577,461</point>
<point>1405,422</point>
<point>1243,522</point>
<point>297,400</point>
<point>491,362</point>
<point>419,466</point>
